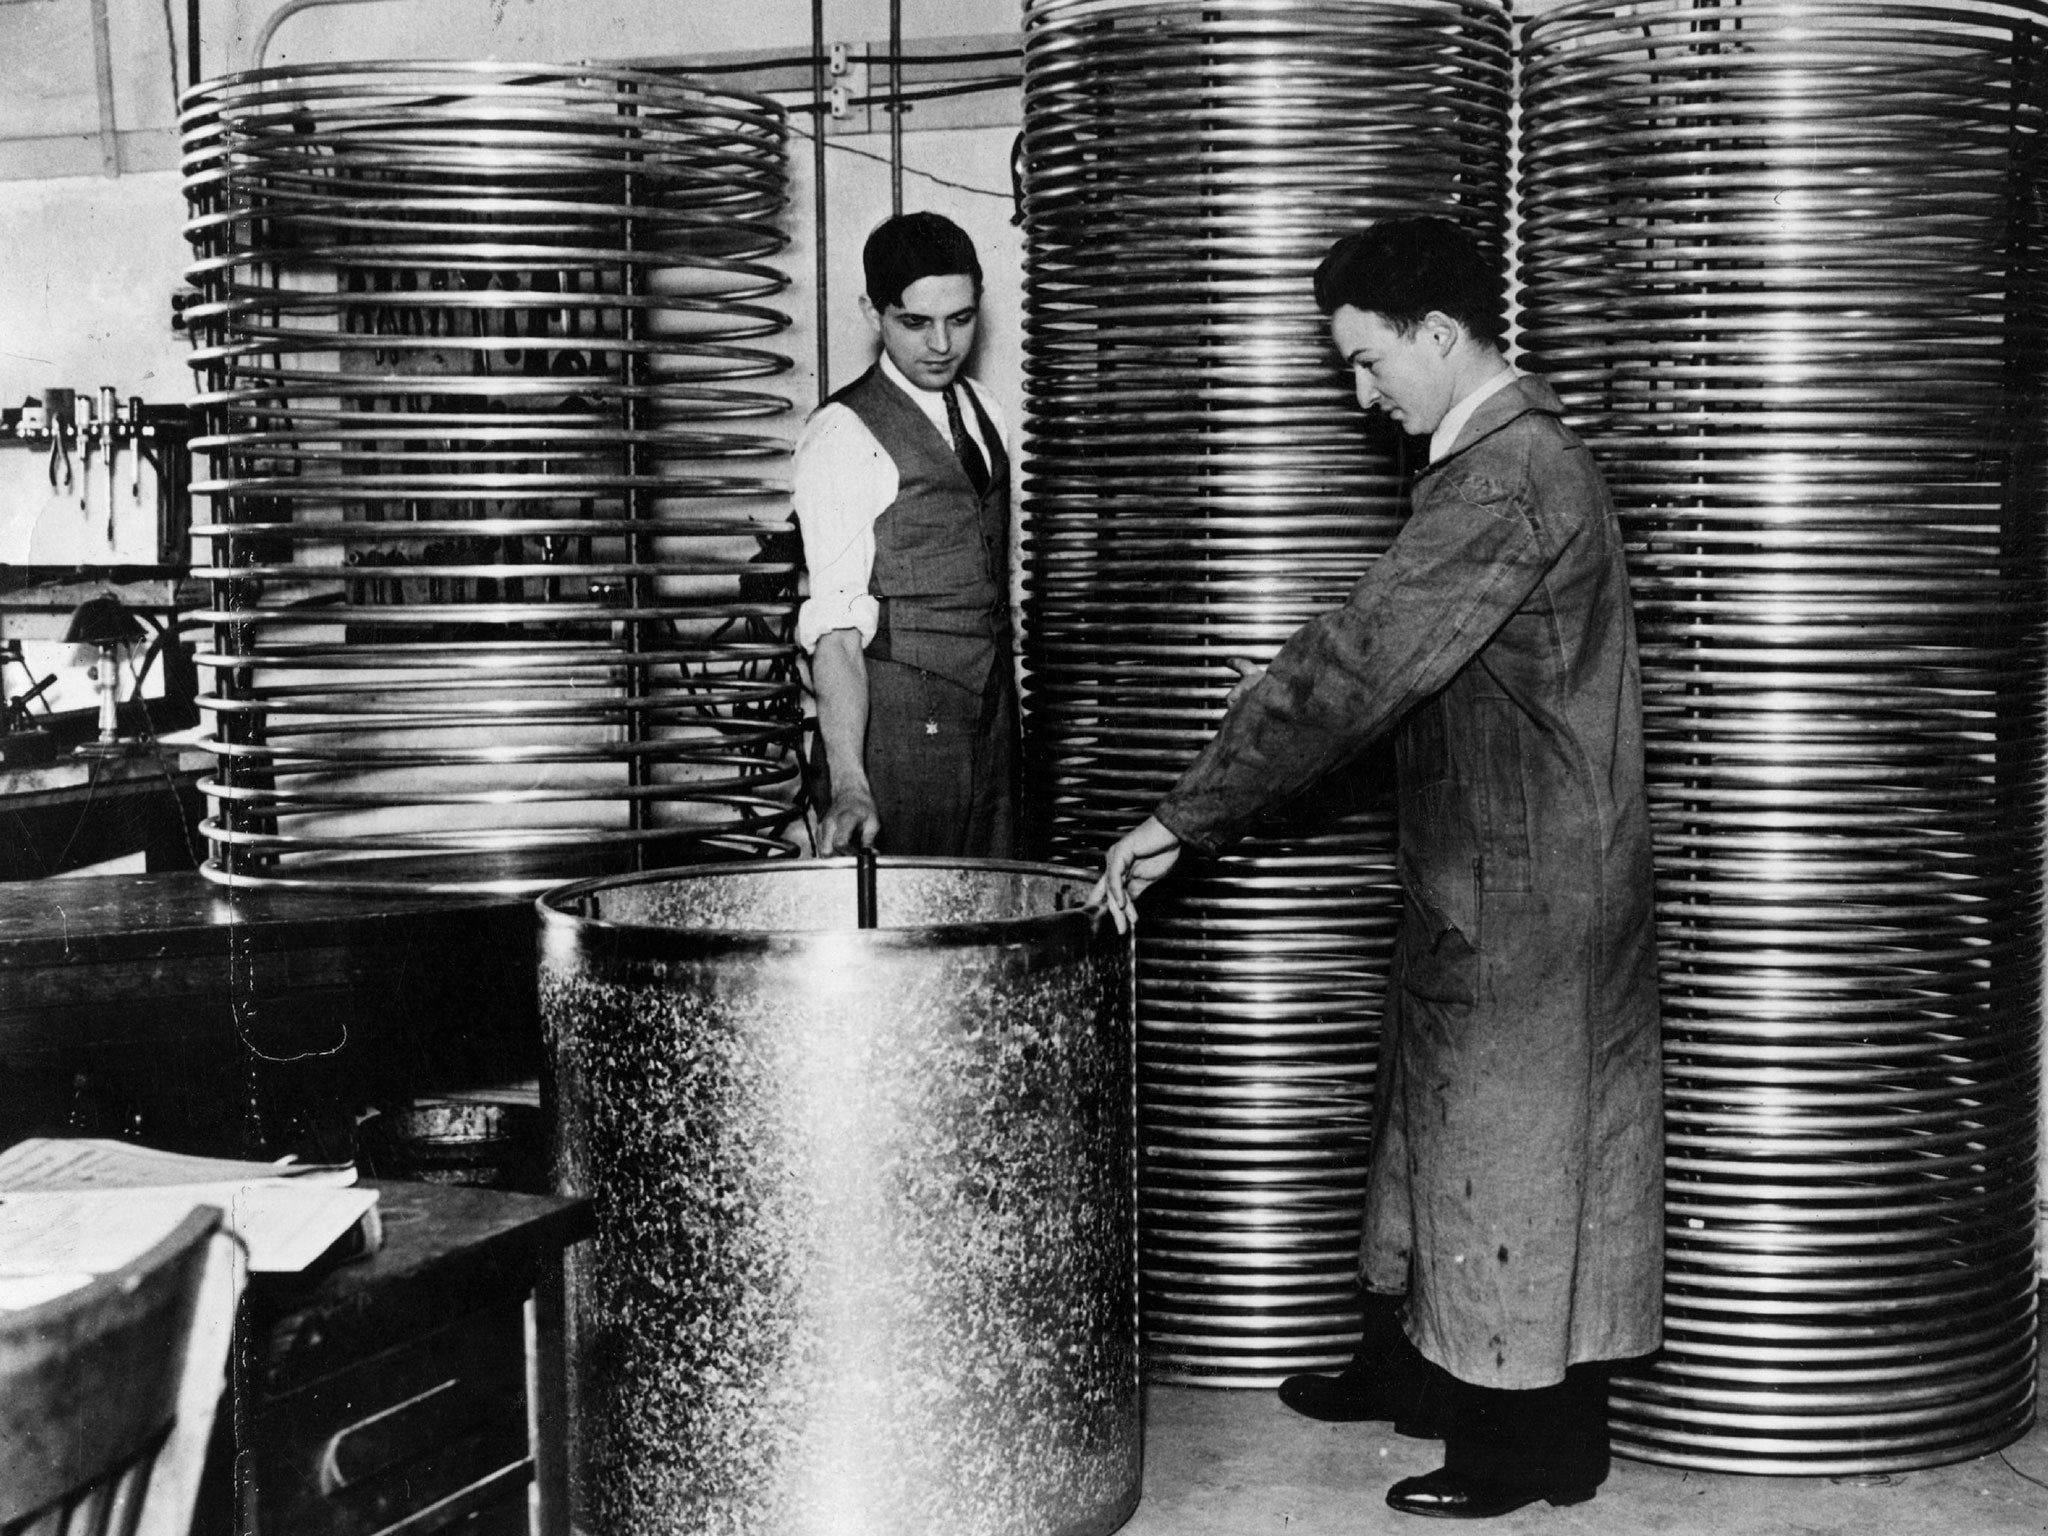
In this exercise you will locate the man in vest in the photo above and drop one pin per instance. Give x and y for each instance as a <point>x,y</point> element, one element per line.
<point>902,488</point>
<point>1514,1221</point>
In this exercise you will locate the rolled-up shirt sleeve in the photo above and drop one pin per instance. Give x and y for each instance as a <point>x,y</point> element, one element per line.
<point>843,481</point>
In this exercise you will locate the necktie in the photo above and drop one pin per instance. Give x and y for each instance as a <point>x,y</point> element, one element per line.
<point>965,446</point>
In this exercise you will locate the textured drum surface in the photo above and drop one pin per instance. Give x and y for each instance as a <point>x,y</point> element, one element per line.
<point>864,1257</point>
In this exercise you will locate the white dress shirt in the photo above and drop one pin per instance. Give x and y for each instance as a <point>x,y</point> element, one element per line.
<point>1445,437</point>
<point>843,481</point>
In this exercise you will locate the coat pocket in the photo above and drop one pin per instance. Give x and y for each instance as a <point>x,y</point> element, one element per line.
<point>1505,837</point>
<point>1438,959</point>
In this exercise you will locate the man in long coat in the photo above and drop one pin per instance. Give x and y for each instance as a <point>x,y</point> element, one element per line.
<point>1514,1215</point>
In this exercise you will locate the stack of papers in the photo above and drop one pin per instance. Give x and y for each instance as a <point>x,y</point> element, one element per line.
<point>72,1209</point>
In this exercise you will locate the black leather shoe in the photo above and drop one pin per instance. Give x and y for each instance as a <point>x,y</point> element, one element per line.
<point>1447,1495</point>
<point>1350,1397</point>
<point>1354,1396</point>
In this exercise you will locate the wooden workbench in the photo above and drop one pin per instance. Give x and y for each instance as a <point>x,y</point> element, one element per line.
<point>420,1389</point>
<point>250,1022</point>
<point>76,812</point>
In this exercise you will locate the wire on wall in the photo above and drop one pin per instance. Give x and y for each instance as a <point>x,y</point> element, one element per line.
<point>840,147</point>
<point>895,107</point>
<point>820,271</point>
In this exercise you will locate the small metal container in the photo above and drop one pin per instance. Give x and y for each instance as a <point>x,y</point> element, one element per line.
<point>864,1258</point>
<point>456,1140</point>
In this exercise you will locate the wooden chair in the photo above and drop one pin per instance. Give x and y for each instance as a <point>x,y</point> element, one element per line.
<point>100,1389</point>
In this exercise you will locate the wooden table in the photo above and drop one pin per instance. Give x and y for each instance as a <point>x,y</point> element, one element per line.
<point>249,1022</point>
<point>410,1391</point>
<point>76,812</point>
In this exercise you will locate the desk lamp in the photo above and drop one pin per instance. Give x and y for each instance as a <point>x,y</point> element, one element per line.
<point>107,626</point>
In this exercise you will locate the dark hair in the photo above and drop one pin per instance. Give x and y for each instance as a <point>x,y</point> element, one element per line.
<point>912,246</point>
<point>1401,269</point>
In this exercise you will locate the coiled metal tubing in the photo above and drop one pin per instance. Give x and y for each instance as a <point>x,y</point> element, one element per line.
<point>1782,260</point>
<point>1198,482</point>
<point>484,355</point>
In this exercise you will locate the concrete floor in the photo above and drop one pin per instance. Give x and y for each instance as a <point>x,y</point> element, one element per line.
<point>1238,1464</point>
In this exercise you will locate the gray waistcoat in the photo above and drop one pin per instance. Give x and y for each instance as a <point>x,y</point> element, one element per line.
<point>942,556</point>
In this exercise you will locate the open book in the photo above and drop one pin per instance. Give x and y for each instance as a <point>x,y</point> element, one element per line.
<point>71,1209</point>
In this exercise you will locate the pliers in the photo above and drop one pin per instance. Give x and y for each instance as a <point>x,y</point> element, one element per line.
<point>60,453</point>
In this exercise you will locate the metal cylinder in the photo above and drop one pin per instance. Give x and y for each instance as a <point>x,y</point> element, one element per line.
<point>1198,482</point>
<point>502,588</point>
<point>1783,262</point>
<point>863,1263</point>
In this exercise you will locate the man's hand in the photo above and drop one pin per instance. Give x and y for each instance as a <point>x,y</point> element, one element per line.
<point>1140,859</point>
<point>1248,674</point>
<point>852,819</point>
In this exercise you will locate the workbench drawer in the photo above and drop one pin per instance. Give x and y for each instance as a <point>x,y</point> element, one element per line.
<point>409,1441</point>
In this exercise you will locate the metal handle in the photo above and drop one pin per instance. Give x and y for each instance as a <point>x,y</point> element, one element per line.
<point>864,885</point>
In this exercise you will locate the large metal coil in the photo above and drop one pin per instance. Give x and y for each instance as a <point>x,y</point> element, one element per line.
<point>1783,261</point>
<point>1198,482</point>
<point>483,354</point>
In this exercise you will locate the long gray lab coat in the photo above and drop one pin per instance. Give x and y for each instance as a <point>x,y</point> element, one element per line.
<point>1517,1181</point>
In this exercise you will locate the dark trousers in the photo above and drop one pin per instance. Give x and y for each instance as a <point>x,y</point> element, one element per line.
<point>942,762</point>
<point>1547,1437</point>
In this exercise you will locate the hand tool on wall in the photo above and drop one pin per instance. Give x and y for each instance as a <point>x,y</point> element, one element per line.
<point>110,429</point>
<point>57,411</point>
<point>82,430</point>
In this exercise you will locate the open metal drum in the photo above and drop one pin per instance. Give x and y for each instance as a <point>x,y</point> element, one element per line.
<point>864,1258</point>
